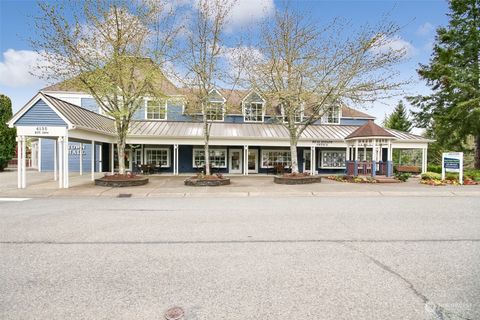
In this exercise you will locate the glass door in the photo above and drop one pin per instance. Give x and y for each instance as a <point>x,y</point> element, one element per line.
<point>235,161</point>
<point>253,161</point>
<point>307,160</point>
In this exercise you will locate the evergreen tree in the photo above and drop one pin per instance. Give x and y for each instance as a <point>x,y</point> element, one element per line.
<point>7,135</point>
<point>398,120</point>
<point>452,112</point>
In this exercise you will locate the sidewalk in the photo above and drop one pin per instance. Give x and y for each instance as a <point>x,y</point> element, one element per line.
<point>40,184</point>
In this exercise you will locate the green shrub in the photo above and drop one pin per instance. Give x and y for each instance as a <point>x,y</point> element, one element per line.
<point>431,176</point>
<point>434,168</point>
<point>472,174</point>
<point>402,176</point>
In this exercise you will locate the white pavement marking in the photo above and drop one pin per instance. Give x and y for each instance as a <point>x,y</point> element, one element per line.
<point>14,199</point>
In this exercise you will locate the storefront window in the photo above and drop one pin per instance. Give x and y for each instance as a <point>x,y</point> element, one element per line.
<point>218,158</point>
<point>331,159</point>
<point>158,157</point>
<point>271,158</point>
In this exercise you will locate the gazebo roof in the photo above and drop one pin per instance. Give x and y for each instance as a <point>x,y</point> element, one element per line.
<point>369,129</point>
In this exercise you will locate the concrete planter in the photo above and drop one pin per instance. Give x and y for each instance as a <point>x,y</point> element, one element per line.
<point>297,180</point>
<point>119,183</point>
<point>206,182</point>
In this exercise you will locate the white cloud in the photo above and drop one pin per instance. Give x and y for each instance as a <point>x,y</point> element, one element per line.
<point>16,66</point>
<point>247,11</point>
<point>425,29</point>
<point>395,43</point>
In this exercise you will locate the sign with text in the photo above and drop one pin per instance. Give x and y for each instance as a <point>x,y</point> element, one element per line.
<point>41,131</point>
<point>321,143</point>
<point>453,162</point>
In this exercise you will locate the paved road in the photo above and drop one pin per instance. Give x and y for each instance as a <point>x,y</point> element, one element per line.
<point>241,258</point>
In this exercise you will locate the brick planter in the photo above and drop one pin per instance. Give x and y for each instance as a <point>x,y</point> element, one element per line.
<point>297,180</point>
<point>119,183</point>
<point>206,182</point>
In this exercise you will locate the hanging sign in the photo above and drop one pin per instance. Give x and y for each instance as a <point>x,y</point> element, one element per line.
<point>453,162</point>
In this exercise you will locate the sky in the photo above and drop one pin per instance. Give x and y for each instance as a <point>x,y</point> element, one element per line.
<point>418,20</point>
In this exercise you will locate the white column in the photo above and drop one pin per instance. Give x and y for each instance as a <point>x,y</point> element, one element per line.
<point>175,159</point>
<point>39,157</point>
<point>374,150</point>
<point>93,160</point>
<point>81,159</point>
<point>100,158</point>
<point>112,155</point>
<point>178,152</point>
<point>60,152</point>
<point>347,153</point>
<point>313,159</point>
<point>65,163</point>
<point>24,162</point>
<point>389,151</point>
<point>365,152</point>
<point>424,160</point>
<point>356,150</point>
<point>19,162</point>
<point>245,160</point>
<point>55,156</point>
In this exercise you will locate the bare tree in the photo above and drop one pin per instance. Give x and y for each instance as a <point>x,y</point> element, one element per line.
<point>112,49</point>
<point>306,70</point>
<point>204,64</point>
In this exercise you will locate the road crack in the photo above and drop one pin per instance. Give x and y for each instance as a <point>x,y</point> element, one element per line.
<point>438,312</point>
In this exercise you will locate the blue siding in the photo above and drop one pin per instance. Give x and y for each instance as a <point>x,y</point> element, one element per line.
<point>89,104</point>
<point>233,119</point>
<point>175,112</point>
<point>47,162</point>
<point>40,114</point>
<point>353,122</point>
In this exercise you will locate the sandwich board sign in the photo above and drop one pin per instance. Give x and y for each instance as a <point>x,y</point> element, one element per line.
<point>453,162</point>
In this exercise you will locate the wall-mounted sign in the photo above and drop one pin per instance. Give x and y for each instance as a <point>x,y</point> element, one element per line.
<point>321,143</point>
<point>74,149</point>
<point>453,162</point>
<point>41,131</point>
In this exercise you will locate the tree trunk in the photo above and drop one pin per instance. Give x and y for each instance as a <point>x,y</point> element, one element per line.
<point>121,155</point>
<point>477,152</point>
<point>206,133</point>
<point>293,155</point>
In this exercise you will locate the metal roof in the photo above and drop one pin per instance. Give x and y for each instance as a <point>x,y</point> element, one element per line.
<point>249,130</point>
<point>81,117</point>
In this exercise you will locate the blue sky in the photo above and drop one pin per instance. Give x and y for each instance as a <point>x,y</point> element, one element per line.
<point>417,19</point>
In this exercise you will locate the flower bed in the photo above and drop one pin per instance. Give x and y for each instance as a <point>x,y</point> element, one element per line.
<point>121,180</point>
<point>202,180</point>
<point>352,179</point>
<point>296,178</point>
<point>435,179</point>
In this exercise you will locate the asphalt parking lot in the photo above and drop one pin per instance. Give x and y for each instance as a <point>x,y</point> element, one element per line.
<point>270,257</point>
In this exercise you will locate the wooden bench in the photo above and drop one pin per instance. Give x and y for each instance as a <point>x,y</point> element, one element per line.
<point>408,169</point>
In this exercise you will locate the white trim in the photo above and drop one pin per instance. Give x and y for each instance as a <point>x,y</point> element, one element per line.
<point>245,114</point>
<point>145,150</point>
<point>230,152</point>
<point>219,93</point>
<point>273,150</point>
<point>320,162</point>
<point>256,160</point>
<point>145,103</point>
<point>210,150</point>
<point>254,91</point>
<point>30,104</point>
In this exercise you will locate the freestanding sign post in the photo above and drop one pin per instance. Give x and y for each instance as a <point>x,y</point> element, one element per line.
<point>453,162</point>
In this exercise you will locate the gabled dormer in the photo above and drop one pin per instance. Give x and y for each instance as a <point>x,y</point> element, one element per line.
<point>215,110</point>
<point>253,107</point>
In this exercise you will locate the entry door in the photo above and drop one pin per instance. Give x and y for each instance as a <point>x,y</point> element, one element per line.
<point>253,161</point>
<point>128,160</point>
<point>307,160</point>
<point>235,161</point>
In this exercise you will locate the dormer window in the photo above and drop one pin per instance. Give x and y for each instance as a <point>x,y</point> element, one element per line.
<point>156,109</point>
<point>332,115</point>
<point>253,112</point>
<point>299,114</point>
<point>215,111</point>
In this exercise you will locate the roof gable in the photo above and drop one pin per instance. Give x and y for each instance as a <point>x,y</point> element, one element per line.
<point>38,112</point>
<point>369,129</point>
